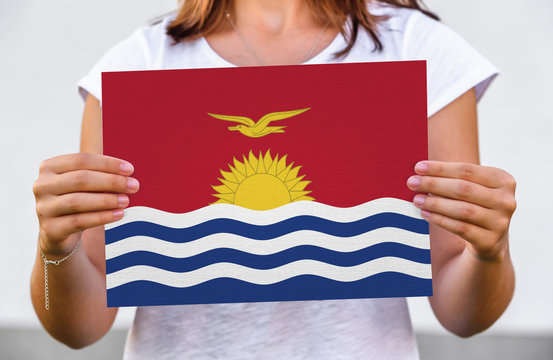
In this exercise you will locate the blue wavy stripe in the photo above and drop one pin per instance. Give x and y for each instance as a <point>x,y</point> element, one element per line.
<point>264,232</point>
<point>267,261</point>
<point>303,287</point>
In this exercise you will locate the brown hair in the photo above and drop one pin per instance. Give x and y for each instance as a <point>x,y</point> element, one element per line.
<point>200,17</point>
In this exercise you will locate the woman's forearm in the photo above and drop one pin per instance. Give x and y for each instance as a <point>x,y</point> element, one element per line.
<point>470,293</point>
<point>77,315</point>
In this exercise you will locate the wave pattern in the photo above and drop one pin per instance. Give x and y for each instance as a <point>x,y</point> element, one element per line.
<point>163,218</point>
<point>266,247</point>
<point>269,276</point>
<point>264,232</point>
<point>304,287</point>
<point>267,261</point>
<point>261,251</point>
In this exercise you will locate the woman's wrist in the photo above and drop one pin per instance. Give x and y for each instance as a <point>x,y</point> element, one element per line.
<point>48,260</point>
<point>59,250</point>
<point>499,254</point>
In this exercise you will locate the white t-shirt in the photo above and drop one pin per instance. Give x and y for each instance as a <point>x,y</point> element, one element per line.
<point>329,329</point>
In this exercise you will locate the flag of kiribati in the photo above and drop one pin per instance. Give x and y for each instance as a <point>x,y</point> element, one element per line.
<point>268,183</point>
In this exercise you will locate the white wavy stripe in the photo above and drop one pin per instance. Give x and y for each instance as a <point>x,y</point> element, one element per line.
<point>269,276</point>
<point>266,247</point>
<point>255,217</point>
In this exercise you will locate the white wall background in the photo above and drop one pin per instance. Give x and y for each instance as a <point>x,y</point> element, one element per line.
<point>46,46</point>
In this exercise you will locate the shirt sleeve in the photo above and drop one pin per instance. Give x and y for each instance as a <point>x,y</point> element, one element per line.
<point>453,65</point>
<point>127,55</point>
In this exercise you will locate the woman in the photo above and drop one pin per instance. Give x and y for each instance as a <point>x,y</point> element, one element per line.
<point>469,210</point>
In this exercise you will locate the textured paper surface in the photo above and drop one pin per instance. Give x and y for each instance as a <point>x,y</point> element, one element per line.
<point>268,183</point>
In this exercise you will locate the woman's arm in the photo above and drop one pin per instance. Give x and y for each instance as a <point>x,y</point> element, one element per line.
<point>72,206</point>
<point>469,213</point>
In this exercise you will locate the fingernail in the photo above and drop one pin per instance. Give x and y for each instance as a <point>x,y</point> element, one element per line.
<point>419,200</point>
<point>421,167</point>
<point>414,181</point>
<point>118,214</point>
<point>132,184</point>
<point>127,167</point>
<point>425,214</point>
<point>123,200</point>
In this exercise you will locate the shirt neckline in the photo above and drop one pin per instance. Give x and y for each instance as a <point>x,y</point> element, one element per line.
<point>323,55</point>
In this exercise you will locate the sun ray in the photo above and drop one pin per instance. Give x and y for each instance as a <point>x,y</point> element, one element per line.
<point>294,195</point>
<point>267,161</point>
<point>221,201</point>
<point>272,168</point>
<point>229,176</point>
<point>300,186</point>
<point>261,165</point>
<point>249,168</point>
<point>307,198</point>
<point>231,185</point>
<point>222,189</point>
<point>293,173</point>
<point>281,165</point>
<point>239,176</point>
<point>291,183</point>
<point>227,197</point>
<point>284,173</point>
<point>253,161</point>
<point>239,166</point>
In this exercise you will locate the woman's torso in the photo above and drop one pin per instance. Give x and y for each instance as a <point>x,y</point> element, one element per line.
<point>330,329</point>
<point>327,329</point>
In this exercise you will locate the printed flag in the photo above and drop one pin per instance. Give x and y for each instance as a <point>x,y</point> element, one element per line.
<point>268,183</point>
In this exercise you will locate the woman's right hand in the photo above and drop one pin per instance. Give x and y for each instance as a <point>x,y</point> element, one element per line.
<point>78,191</point>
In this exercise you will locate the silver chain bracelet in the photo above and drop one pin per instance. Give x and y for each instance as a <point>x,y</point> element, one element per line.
<point>53,262</point>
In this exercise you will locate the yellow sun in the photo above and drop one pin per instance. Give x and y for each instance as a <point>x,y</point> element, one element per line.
<point>261,183</point>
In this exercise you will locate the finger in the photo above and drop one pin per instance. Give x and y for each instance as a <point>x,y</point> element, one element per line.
<point>61,227</point>
<point>454,189</point>
<point>459,210</point>
<point>483,242</point>
<point>86,180</point>
<point>84,202</point>
<point>470,232</point>
<point>484,175</point>
<point>86,161</point>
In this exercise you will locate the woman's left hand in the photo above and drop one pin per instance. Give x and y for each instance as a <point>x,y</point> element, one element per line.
<point>473,201</point>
